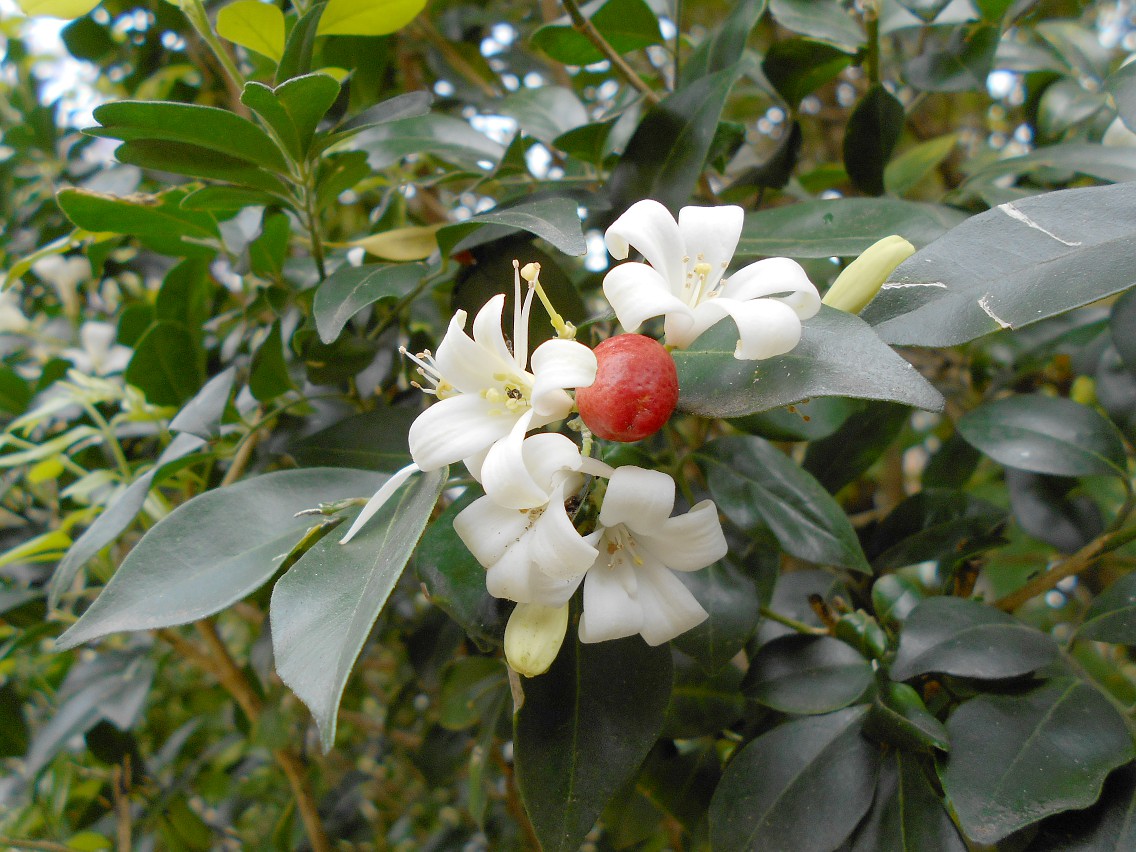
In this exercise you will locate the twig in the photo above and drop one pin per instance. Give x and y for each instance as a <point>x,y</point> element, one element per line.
<point>459,63</point>
<point>46,845</point>
<point>241,458</point>
<point>799,626</point>
<point>585,28</point>
<point>120,783</point>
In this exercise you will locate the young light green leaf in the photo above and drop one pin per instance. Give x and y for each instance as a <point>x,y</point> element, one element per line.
<point>254,25</point>
<point>323,608</point>
<point>368,17</point>
<point>66,9</point>
<point>224,543</point>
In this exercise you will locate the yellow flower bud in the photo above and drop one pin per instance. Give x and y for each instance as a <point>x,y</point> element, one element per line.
<point>862,278</point>
<point>533,637</point>
<point>1084,390</point>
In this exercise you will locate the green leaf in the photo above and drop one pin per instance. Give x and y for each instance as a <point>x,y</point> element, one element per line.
<point>893,598</point>
<point>224,543</point>
<point>1044,508</point>
<point>731,599</point>
<point>323,608</point>
<point>905,172</point>
<point>961,64</point>
<point>15,393</point>
<point>1102,162</point>
<point>1068,251</point>
<point>797,67</point>
<point>262,100</point>
<point>119,514</point>
<point>223,198</point>
<point>268,374</point>
<point>57,8</point>
<point>471,686</point>
<point>870,136</point>
<point>899,716</point>
<point>626,25</point>
<point>802,786</point>
<point>814,420</point>
<point>1122,328</point>
<point>1046,435</point>
<point>373,440</point>
<point>755,484</point>
<point>195,161</point>
<point>667,152</point>
<point>964,638</point>
<point>13,726</point>
<point>843,227</point>
<point>1108,826</point>
<point>926,10</point>
<point>367,17</point>
<point>300,44</point>
<point>545,113</point>
<point>307,99</point>
<point>253,25</point>
<point>823,20</point>
<point>555,219</point>
<point>166,365</point>
<point>584,728</point>
<point>807,675</point>
<point>936,524</point>
<point>906,815</point>
<point>443,136</point>
<point>455,581</point>
<point>201,416</point>
<point>839,355</point>
<point>201,126</point>
<point>847,454</point>
<point>351,288</point>
<point>702,704</point>
<point>1122,86</point>
<point>158,221</point>
<point>269,251</point>
<point>1112,616</point>
<point>726,46</point>
<point>406,105</point>
<point>1053,748</point>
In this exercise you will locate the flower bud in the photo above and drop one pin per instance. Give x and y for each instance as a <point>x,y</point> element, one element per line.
<point>533,637</point>
<point>862,278</point>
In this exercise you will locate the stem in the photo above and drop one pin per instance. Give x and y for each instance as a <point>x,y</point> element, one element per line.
<point>872,26</point>
<point>241,458</point>
<point>799,626</point>
<point>197,16</point>
<point>311,217</point>
<point>1080,561</point>
<point>585,28</point>
<point>678,43</point>
<point>112,441</point>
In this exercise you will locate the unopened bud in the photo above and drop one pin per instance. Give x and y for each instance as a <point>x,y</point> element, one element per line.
<point>533,637</point>
<point>862,278</point>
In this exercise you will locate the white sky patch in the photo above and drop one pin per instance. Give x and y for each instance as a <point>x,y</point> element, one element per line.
<point>1014,213</point>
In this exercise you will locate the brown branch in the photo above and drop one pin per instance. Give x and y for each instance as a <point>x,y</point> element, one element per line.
<point>120,784</point>
<point>585,28</point>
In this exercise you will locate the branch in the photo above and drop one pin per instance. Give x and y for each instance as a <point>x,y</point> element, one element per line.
<point>585,28</point>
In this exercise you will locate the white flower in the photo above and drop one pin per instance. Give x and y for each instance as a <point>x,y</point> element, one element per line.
<point>99,355</point>
<point>12,318</point>
<point>631,588</point>
<point>533,555</point>
<point>65,274</point>
<point>486,391</point>
<point>684,281</point>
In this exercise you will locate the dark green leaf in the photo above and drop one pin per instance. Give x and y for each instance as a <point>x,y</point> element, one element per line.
<point>588,142</point>
<point>1112,616</point>
<point>184,295</point>
<point>306,100</point>
<point>961,64</point>
<point>323,608</point>
<point>268,374</point>
<point>1068,247</point>
<point>13,726</point>
<point>15,393</point>
<point>373,440</point>
<point>754,484</point>
<point>200,126</point>
<point>406,105</point>
<point>157,220</point>
<point>797,67</point>
<point>263,101</point>
<point>899,716</point>
<point>1122,86</point>
<point>1046,434</point>
<point>225,198</point>
<point>724,47</point>
<point>807,675</point>
<point>443,136</point>
<point>1108,826</point>
<point>584,728</point>
<point>201,416</point>
<point>166,364</point>
<point>471,686</point>
<point>1043,508</point>
<point>681,782</point>
<point>1102,162</point>
<point>118,515</point>
<point>907,815</point>
<point>667,152</point>
<point>555,219</point>
<point>545,113</point>
<point>775,172</point>
<point>268,252</point>
<point>1053,748</point>
<point>824,20</point>
<point>940,525</point>
<point>802,786</point>
<point>731,599</point>
<point>964,638</point>
<point>1122,328</point>
<point>848,453</point>
<point>224,543</point>
<point>192,160</point>
<point>625,24</point>
<point>893,598</point>
<point>297,58</point>
<point>702,704</point>
<point>455,581</point>
<point>844,227</point>
<point>839,355</point>
<point>870,136</point>
<point>351,288</point>
<point>813,420</point>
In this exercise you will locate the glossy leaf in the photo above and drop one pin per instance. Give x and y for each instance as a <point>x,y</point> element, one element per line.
<point>307,99</point>
<point>797,67</point>
<point>1122,328</point>
<point>1112,616</point>
<point>906,815</point>
<point>964,638</point>
<point>839,355</point>
<point>802,786</point>
<point>1044,508</point>
<point>893,598</point>
<point>847,454</point>
<point>584,728</point>
<point>166,364</point>
<point>1068,247</point>
<point>1108,826</point>
<point>732,601</point>
<point>844,227</point>
<point>870,136</point>
<point>195,161</point>
<point>251,528</point>
<point>201,416</point>
<point>935,524</point>
<point>368,17</point>
<point>406,105</point>
<point>754,483</point>
<point>726,46</point>
<point>626,25</point>
<point>351,288</point>
<point>1046,435</point>
<point>666,154</point>
<point>824,20</point>
<point>899,716</point>
<point>807,675</point>
<point>158,220</point>
<point>323,608</point>
<point>1053,749</point>
<point>545,113</point>
<point>300,44</point>
<point>960,64</point>
<point>468,690</point>
<point>702,704</point>
<point>373,440</point>
<point>442,136</point>
<point>906,170</point>
<point>554,219</point>
<point>253,25</point>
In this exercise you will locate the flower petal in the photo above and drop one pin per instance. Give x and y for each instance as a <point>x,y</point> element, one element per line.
<point>487,330</point>
<point>637,292</point>
<point>455,428</point>
<point>488,529</point>
<point>687,542</point>
<point>667,606</point>
<point>649,227</point>
<point>380,497</point>
<point>610,608</point>
<point>710,235</point>
<point>461,362</point>
<point>766,327</point>
<point>773,276</point>
<point>554,545</point>
<point>559,364</point>
<point>505,476</point>
<point>639,498</point>
<point>514,577</point>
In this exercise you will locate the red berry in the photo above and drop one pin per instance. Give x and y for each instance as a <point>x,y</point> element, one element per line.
<point>635,390</point>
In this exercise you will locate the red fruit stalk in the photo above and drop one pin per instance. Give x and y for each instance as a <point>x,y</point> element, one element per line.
<point>635,390</point>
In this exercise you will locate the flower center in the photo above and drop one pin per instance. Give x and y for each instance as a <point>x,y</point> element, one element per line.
<point>694,288</point>
<point>512,394</point>
<point>621,545</point>
<point>428,369</point>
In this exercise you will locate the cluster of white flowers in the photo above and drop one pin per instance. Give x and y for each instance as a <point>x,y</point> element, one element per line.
<point>492,395</point>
